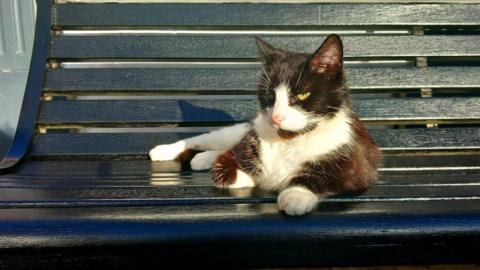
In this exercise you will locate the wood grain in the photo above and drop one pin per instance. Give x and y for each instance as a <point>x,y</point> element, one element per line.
<point>106,145</point>
<point>254,14</point>
<point>243,46</point>
<point>220,80</point>
<point>207,110</point>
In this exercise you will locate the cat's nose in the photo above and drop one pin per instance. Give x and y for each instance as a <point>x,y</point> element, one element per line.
<point>277,119</point>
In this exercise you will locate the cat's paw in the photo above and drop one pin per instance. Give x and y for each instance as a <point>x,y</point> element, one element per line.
<point>204,160</point>
<point>296,201</point>
<point>225,173</point>
<point>167,151</point>
<point>242,180</point>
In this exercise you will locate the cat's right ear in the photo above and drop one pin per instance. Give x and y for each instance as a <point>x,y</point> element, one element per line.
<point>267,51</point>
<point>328,59</point>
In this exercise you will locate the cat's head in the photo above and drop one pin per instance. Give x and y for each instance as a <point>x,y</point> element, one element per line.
<point>298,91</point>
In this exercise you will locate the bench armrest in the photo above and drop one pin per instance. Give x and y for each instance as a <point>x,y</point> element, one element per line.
<point>28,113</point>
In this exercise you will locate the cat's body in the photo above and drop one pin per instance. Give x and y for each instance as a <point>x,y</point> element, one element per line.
<point>305,142</point>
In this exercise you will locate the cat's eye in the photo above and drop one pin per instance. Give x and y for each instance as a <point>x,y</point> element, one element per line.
<point>303,96</point>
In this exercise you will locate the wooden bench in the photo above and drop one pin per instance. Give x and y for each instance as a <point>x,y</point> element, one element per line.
<point>110,81</point>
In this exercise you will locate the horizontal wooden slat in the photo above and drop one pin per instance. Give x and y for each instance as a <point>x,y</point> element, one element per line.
<point>431,167</point>
<point>243,46</point>
<point>61,196</point>
<point>265,14</point>
<point>71,196</point>
<point>138,144</point>
<point>244,79</point>
<point>425,178</point>
<point>222,110</point>
<point>235,212</point>
<point>81,174</point>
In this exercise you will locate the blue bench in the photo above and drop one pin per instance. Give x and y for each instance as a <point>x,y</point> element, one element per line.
<point>109,81</point>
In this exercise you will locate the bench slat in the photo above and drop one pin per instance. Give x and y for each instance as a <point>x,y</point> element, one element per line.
<point>265,14</point>
<point>138,144</point>
<point>150,80</point>
<point>207,110</point>
<point>393,165</point>
<point>51,196</point>
<point>267,210</point>
<point>243,46</point>
<point>189,178</point>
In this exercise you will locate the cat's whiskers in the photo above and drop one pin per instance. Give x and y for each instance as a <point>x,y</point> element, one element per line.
<point>263,83</point>
<point>266,75</point>
<point>300,76</point>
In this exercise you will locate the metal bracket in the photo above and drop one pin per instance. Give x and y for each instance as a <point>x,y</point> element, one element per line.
<point>421,61</point>
<point>418,30</point>
<point>42,130</point>
<point>426,92</point>
<point>53,64</point>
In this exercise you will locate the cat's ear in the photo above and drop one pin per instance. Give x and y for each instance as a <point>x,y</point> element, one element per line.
<point>328,59</point>
<point>267,51</point>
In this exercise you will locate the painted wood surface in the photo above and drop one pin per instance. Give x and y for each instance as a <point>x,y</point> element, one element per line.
<point>225,80</point>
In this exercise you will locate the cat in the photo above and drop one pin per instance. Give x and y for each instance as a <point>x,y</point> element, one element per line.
<point>306,142</point>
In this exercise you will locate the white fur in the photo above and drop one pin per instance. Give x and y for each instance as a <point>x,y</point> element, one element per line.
<point>297,201</point>
<point>219,140</point>
<point>282,158</point>
<point>204,160</point>
<point>293,118</point>
<point>243,180</point>
<point>167,151</point>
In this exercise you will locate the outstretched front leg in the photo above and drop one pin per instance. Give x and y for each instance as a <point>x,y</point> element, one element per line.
<point>214,143</point>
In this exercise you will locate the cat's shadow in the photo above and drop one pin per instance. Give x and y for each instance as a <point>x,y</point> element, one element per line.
<point>192,113</point>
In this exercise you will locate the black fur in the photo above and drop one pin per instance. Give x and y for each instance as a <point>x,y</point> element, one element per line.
<point>350,168</point>
<point>327,89</point>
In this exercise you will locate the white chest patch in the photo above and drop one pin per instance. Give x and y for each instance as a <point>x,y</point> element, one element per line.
<point>281,158</point>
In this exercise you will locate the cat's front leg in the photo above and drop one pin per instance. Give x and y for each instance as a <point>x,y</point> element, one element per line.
<point>217,140</point>
<point>167,151</point>
<point>304,192</point>
<point>204,160</point>
<point>226,173</point>
<point>297,200</point>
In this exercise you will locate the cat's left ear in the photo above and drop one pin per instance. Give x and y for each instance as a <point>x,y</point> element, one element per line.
<point>267,51</point>
<point>328,59</point>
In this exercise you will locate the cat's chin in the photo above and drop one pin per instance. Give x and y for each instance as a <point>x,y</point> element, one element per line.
<point>283,133</point>
<point>287,135</point>
<point>290,134</point>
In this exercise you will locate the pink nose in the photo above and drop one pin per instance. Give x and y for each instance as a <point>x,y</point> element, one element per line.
<point>277,119</point>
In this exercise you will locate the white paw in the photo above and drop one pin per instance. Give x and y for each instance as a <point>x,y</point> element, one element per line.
<point>204,160</point>
<point>167,151</point>
<point>243,180</point>
<point>296,201</point>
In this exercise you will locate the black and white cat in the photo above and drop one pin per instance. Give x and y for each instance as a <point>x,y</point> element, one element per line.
<point>305,142</point>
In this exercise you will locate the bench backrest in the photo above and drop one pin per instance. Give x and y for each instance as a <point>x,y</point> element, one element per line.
<point>180,69</point>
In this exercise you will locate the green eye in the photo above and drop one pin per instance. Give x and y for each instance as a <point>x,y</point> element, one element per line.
<point>303,96</point>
